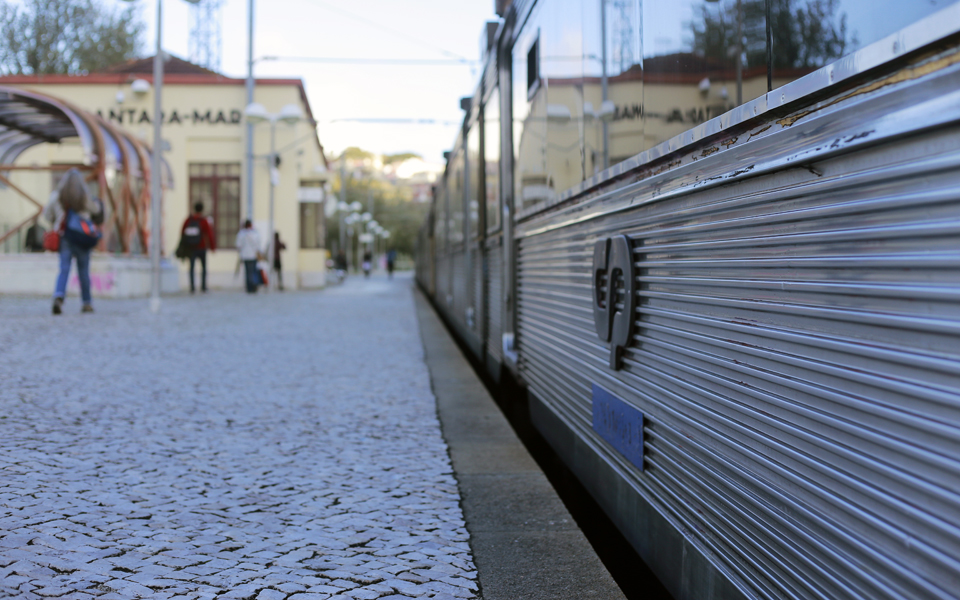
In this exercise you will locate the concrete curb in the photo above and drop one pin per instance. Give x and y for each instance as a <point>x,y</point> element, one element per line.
<point>524,542</point>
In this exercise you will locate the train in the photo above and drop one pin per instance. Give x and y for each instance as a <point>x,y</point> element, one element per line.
<point>717,243</point>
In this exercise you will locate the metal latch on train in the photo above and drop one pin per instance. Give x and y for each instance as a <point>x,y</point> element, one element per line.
<point>614,294</point>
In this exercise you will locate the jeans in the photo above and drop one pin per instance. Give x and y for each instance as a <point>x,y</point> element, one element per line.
<point>200,255</point>
<point>253,276</point>
<point>67,252</point>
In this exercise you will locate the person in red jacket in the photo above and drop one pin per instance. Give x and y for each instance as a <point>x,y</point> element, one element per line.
<point>198,237</point>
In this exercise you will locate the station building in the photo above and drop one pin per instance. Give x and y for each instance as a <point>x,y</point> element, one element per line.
<point>204,141</point>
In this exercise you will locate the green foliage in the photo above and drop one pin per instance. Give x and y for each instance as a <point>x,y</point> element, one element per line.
<point>65,36</point>
<point>392,208</point>
<point>807,34</point>
<point>392,158</point>
<point>354,153</point>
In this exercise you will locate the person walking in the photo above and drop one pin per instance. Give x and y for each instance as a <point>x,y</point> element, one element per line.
<point>34,235</point>
<point>248,247</point>
<point>340,264</point>
<point>277,264</point>
<point>72,196</point>
<point>391,262</point>
<point>197,236</point>
<point>367,263</point>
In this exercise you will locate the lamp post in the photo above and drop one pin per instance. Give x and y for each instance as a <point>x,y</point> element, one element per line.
<point>738,49</point>
<point>289,114</point>
<point>342,209</point>
<point>374,228</point>
<point>350,220</point>
<point>248,150</point>
<point>156,163</point>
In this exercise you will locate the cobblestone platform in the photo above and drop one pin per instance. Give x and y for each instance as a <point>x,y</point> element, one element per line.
<point>281,446</point>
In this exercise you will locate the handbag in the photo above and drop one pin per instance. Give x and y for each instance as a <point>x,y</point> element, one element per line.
<point>51,239</point>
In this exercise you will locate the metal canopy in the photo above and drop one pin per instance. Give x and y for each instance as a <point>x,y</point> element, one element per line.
<point>118,162</point>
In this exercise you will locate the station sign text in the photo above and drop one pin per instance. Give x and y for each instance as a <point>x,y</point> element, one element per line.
<point>132,116</point>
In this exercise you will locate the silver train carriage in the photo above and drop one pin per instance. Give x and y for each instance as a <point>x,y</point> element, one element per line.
<point>720,248</point>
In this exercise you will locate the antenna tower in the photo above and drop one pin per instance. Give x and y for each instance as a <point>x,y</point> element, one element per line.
<point>625,21</point>
<point>205,40</point>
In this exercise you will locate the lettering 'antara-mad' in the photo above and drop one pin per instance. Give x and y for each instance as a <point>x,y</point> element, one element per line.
<point>131,116</point>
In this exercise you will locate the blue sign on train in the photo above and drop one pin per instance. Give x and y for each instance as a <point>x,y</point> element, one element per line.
<point>620,424</point>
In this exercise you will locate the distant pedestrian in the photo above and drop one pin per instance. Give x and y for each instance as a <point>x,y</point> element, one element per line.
<point>248,247</point>
<point>367,263</point>
<point>34,237</point>
<point>391,262</point>
<point>278,246</point>
<point>72,207</point>
<point>197,237</point>
<point>340,264</point>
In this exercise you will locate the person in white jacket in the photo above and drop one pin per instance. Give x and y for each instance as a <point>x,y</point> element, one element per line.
<point>248,246</point>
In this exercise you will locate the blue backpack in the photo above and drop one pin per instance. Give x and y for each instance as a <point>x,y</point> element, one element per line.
<point>79,231</point>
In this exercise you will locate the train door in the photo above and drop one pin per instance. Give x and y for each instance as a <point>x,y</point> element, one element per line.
<point>493,240</point>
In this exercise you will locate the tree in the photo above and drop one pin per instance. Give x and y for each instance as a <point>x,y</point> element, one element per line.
<point>807,36</point>
<point>65,36</point>
<point>354,153</point>
<point>393,206</point>
<point>392,158</point>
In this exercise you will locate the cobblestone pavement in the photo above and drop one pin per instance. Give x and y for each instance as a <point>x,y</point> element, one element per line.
<point>281,446</point>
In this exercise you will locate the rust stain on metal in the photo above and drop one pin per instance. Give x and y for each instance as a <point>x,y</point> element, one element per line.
<point>666,167</point>
<point>759,131</point>
<point>708,151</point>
<point>729,142</point>
<point>905,74</point>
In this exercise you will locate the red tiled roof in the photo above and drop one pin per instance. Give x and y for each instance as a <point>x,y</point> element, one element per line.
<point>182,73</point>
<point>144,66</point>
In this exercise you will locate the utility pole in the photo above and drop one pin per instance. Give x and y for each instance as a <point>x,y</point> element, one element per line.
<point>739,53</point>
<point>603,80</point>
<point>249,150</point>
<point>343,201</point>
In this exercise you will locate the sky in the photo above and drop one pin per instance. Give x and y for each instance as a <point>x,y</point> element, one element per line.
<point>418,29</point>
<point>414,29</point>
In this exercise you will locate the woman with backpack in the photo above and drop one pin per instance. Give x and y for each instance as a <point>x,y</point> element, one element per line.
<point>74,214</point>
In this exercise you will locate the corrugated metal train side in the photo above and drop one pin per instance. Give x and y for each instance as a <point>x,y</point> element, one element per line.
<point>793,343</point>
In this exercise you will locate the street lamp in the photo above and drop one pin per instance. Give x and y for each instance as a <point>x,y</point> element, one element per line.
<point>738,48</point>
<point>156,163</point>
<point>289,114</point>
<point>342,209</point>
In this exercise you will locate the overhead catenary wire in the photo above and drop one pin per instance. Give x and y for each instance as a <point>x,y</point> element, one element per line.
<point>390,30</point>
<point>372,61</point>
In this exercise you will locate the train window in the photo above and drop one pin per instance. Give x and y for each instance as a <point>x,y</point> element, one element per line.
<point>808,34</point>
<point>608,79</point>
<point>548,122</point>
<point>455,198</point>
<point>533,69</point>
<point>474,179</point>
<point>613,86</point>
<point>491,159</point>
<point>440,225</point>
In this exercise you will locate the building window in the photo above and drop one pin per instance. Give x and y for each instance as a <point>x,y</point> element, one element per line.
<point>311,226</point>
<point>217,186</point>
<point>312,217</point>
